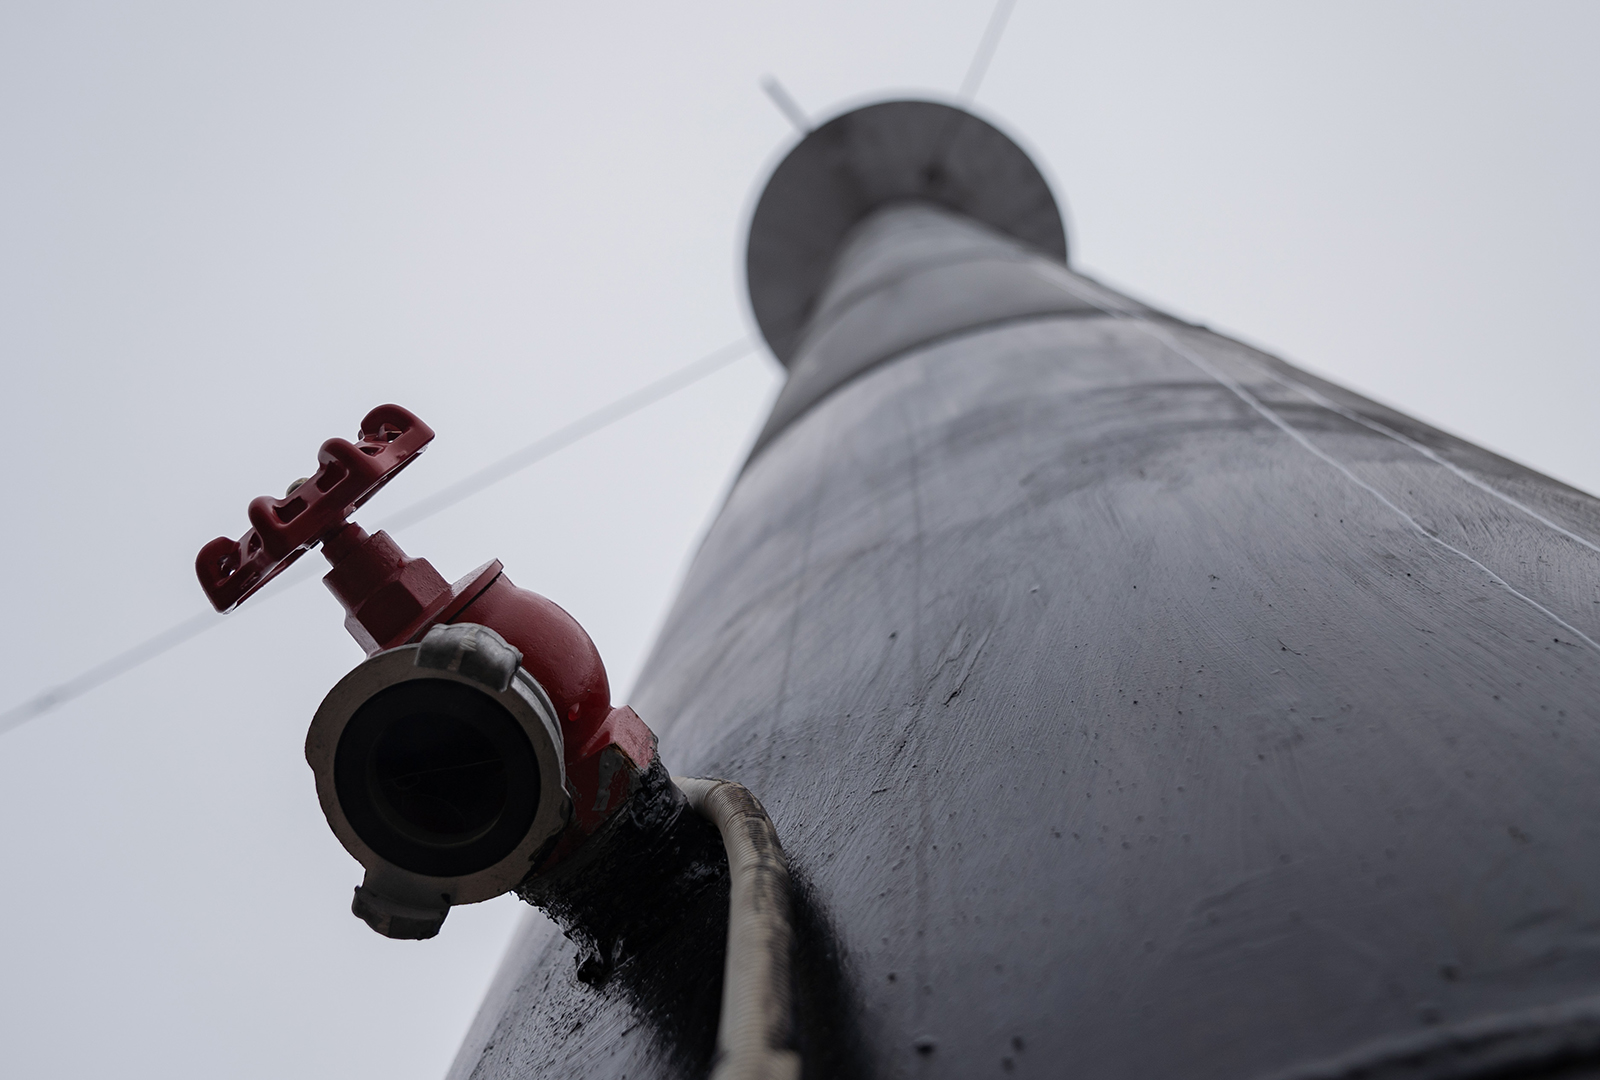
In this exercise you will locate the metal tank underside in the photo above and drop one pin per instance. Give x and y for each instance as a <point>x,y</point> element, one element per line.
<point>1130,704</point>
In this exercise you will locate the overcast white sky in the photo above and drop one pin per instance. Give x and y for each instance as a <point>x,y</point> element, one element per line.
<point>228,230</point>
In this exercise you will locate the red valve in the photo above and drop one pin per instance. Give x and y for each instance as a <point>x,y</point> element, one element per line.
<point>392,599</point>
<point>348,474</point>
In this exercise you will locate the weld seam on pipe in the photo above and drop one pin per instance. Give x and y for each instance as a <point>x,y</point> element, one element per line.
<point>753,1029</point>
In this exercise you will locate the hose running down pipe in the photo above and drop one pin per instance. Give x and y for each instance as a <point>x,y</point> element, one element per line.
<point>753,1030</point>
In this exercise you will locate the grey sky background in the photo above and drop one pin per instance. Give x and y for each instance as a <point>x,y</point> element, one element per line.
<point>228,230</point>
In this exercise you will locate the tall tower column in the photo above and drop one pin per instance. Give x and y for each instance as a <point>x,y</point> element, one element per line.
<point>1131,704</point>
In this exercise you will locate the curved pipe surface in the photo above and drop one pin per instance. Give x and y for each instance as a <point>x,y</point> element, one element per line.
<point>753,1031</point>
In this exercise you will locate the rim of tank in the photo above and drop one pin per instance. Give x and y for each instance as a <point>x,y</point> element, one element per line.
<point>864,158</point>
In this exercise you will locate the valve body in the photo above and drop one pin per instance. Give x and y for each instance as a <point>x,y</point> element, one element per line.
<point>477,747</point>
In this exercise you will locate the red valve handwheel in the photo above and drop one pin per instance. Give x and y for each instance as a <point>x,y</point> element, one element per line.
<point>348,474</point>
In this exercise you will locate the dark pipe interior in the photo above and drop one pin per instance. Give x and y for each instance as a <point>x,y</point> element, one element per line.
<point>437,777</point>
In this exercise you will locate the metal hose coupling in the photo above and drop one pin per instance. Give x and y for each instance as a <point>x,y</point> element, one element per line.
<point>439,766</point>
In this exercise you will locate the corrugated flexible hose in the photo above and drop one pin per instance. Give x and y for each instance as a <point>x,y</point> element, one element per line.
<point>753,1030</point>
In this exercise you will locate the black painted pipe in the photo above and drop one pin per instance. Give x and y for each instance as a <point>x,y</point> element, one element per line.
<point>1131,703</point>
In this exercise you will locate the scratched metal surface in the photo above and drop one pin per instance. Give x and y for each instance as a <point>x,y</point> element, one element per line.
<point>1133,705</point>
